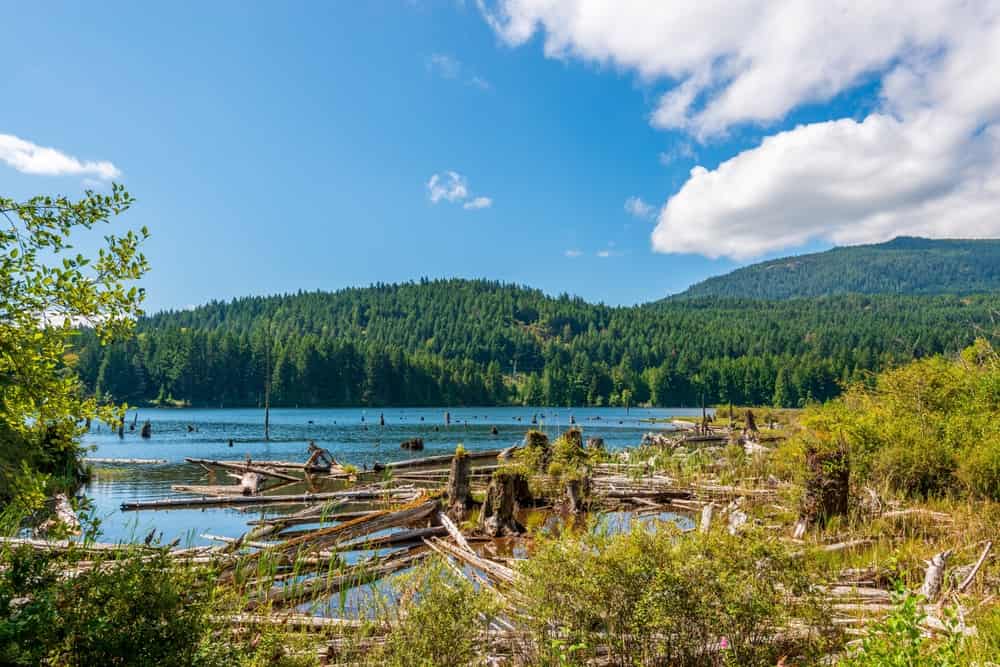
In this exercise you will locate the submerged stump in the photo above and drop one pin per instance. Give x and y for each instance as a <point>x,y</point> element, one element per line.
<point>507,492</point>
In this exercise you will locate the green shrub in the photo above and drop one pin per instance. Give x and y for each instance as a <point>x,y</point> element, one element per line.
<point>659,598</point>
<point>136,611</point>
<point>898,640</point>
<point>437,622</point>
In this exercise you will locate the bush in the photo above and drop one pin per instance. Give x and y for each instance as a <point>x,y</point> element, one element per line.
<point>437,621</point>
<point>136,611</point>
<point>926,429</point>
<point>654,598</point>
<point>899,640</point>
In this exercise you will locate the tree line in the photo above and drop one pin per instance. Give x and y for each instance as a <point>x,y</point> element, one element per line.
<point>462,342</point>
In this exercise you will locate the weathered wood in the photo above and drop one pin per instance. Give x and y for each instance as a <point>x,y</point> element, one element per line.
<point>706,518</point>
<point>975,568</point>
<point>459,492</point>
<point>934,576</point>
<point>91,459</point>
<point>455,533</point>
<point>147,430</point>
<point>245,467</point>
<point>576,492</point>
<point>443,458</point>
<point>506,492</point>
<point>170,503</point>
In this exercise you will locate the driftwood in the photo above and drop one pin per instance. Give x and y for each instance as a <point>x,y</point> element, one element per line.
<point>245,467</point>
<point>171,503</point>
<point>64,516</point>
<point>91,459</point>
<point>443,458</point>
<point>975,568</point>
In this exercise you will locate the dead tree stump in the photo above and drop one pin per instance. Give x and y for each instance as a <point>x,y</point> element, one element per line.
<point>750,425</point>
<point>596,444</point>
<point>827,485</point>
<point>147,430</point>
<point>507,492</point>
<point>576,494</point>
<point>459,496</point>
<point>414,444</point>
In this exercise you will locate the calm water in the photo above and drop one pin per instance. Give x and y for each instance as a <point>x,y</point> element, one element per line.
<point>353,436</point>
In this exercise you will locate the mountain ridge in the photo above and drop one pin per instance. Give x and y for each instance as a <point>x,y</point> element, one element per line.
<point>905,265</point>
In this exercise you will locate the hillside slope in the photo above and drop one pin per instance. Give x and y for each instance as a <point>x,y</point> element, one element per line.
<point>452,342</point>
<point>904,265</point>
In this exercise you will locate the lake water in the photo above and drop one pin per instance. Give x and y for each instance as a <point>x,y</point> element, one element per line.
<point>352,435</point>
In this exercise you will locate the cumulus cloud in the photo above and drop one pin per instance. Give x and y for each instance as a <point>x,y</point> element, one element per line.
<point>477,203</point>
<point>451,186</point>
<point>635,206</point>
<point>31,158</point>
<point>925,161</point>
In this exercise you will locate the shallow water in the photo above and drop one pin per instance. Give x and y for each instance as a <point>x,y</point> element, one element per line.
<point>353,435</point>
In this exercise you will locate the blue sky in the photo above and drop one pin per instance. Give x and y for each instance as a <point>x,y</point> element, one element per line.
<point>282,146</point>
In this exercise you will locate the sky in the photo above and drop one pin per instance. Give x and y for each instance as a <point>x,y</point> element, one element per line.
<point>616,150</point>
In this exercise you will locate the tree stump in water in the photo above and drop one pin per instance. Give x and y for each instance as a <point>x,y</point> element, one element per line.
<point>147,430</point>
<point>827,485</point>
<point>576,494</point>
<point>414,445</point>
<point>250,483</point>
<point>507,491</point>
<point>459,496</point>
<point>596,444</point>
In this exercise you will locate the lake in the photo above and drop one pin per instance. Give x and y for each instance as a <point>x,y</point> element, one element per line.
<point>353,435</point>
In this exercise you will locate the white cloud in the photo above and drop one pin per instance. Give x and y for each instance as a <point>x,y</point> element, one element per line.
<point>444,65</point>
<point>635,206</point>
<point>31,158</point>
<point>925,161</point>
<point>573,253</point>
<point>451,186</point>
<point>477,203</point>
<point>448,67</point>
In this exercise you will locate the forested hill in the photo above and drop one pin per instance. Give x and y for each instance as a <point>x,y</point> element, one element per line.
<point>905,265</point>
<point>458,342</point>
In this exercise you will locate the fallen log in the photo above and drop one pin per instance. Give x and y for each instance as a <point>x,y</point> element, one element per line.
<point>172,503</point>
<point>975,568</point>
<point>245,467</point>
<point>443,458</point>
<point>91,459</point>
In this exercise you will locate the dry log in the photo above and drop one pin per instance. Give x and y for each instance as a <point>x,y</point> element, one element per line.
<point>91,459</point>
<point>975,568</point>
<point>172,503</point>
<point>455,533</point>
